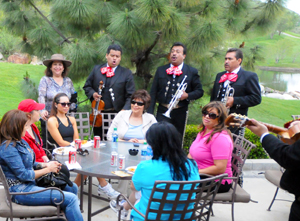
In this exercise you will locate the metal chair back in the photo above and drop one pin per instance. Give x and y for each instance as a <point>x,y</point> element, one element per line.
<point>107,119</point>
<point>83,124</point>
<point>182,200</point>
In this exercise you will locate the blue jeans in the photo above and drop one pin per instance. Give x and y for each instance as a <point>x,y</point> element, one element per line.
<point>70,205</point>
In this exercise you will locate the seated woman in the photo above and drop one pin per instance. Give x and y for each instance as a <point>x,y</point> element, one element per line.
<point>212,148</point>
<point>133,124</point>
<point>19,166</point>
<point>32,136</point>
<point>63,131</point>
<point>169,162</point>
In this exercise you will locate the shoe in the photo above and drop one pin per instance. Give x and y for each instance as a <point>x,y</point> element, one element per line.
<point>113,206</point>
<point>108,191</point>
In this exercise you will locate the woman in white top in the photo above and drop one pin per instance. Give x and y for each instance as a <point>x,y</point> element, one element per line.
<point>133,124</point>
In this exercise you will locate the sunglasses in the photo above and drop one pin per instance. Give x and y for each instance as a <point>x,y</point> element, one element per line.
<point>82,152</point>
<point>139,103</point>
<point>65,104</point>
<point>210,115</point>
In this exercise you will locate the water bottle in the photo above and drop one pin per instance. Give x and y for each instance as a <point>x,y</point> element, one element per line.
<point>149,153</point>
<point>144,151</point>
<point>115,140</point>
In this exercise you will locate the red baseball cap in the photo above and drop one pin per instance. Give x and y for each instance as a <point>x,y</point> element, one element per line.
<point>29,105</point>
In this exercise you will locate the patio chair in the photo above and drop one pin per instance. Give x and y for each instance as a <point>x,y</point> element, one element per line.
<point>107,119</point>
<point>241,150</point>
<point>295,117</point>
<point>274,177</point>
<point>189,191</point>
<point>11,210</point>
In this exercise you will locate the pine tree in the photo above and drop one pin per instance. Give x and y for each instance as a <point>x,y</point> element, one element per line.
<point>83,29</point>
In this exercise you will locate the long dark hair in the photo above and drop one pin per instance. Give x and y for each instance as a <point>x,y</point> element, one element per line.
<point>165,141</point>
<point>12,126</point>
<point>222,112</point>
<point>55,103</point>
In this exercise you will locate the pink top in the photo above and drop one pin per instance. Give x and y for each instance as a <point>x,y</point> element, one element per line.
<point>219,148</point>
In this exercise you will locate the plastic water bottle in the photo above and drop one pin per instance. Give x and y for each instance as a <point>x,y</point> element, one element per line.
<point>144,151</point>
<point>149,153</point>
<point>115,140</point>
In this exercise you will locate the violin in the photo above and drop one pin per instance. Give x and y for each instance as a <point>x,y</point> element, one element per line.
<point>97,107</point>
<point>287,134</point>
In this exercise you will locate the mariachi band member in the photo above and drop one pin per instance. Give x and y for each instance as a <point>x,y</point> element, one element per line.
<point>245,84</point>
<point>246,90</point>
<point>118,84</point>
<point>166,81</point>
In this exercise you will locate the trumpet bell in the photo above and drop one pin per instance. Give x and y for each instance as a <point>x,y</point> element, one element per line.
<point>167,114</point>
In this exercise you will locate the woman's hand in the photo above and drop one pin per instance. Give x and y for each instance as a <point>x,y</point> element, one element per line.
<point>44,115</point>
<point>53,166</point>
<point>134,140</point>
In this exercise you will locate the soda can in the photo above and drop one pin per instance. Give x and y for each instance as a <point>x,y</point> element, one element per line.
<point>96,141</point>
<point>77,144</point>
<point>114,159</point>
<point>121,162</point>
<point>72,157</point>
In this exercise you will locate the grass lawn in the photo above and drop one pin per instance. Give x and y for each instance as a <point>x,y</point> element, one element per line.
<point>11,76</point>
<point>282,46</point>
<point>275,111</point>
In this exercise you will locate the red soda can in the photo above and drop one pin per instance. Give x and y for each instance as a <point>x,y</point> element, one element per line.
<point>77,144</point>
<point>121,162</point>
<point>72,157</point>
<point>96,141</point>
<point>114,159</point>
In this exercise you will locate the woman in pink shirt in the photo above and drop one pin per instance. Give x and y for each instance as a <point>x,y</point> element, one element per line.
<point>212,148</point>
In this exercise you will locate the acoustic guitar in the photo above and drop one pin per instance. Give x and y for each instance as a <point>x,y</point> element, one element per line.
<point>287,135</point>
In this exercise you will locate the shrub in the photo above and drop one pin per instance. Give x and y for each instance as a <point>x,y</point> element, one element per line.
<point>191,132</point>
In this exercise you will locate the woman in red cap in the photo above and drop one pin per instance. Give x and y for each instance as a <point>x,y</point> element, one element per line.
<point>32,135</point>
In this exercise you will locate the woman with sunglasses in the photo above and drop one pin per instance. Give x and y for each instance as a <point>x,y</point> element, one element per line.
<point>133,124</point>
<point>212,148</point>
<point>62,129</point>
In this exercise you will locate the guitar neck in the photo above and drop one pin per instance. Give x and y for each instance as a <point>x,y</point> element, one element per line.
<point>274,129</point>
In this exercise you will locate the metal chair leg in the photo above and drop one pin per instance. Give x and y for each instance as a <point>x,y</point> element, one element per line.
<point>269,209</point>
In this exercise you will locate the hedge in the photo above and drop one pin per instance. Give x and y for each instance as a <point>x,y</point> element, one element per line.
<point>256,153</point>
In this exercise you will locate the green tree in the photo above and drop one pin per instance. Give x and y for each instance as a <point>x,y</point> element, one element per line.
<point>83,29</point>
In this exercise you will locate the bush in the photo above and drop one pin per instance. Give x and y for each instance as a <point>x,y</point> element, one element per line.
<point>191,132</point>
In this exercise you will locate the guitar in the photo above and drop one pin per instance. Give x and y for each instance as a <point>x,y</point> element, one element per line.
<point>287,135</point>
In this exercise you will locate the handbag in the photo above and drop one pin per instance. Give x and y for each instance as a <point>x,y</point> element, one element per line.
<point>59,180</point>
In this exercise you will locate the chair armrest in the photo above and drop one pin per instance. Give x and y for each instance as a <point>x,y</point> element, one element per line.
<point>39,191</point>
<point>127,200</point>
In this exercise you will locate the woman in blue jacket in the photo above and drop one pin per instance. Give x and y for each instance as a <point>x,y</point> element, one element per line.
<point>17,161</point>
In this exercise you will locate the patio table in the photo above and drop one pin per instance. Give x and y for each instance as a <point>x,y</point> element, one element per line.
<point>97,164</point>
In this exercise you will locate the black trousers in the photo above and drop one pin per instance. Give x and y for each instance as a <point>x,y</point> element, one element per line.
<point>98,131</point>
<point>178,117</point>
<point>295,210</point>
<point>43,132</point>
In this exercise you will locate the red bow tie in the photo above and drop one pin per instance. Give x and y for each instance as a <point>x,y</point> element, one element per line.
<point>174,70</point>
<point>229,76</point>
<point>108,71</point>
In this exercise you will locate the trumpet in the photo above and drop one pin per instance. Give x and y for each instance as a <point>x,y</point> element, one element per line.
<point>176,98</point>
<point>228,93</point>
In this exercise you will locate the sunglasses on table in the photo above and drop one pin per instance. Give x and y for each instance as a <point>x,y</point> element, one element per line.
<point>82,152</point>
<point>139,103</point>
<point>210,115</point>
<point>65,104</point>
